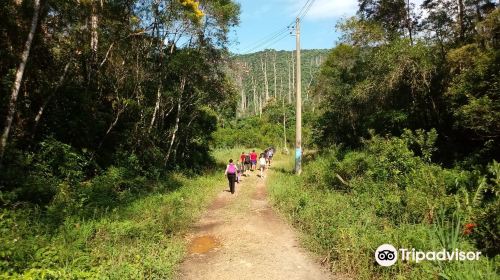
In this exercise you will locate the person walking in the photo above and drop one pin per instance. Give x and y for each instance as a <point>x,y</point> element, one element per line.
<point>230,173</point>
<point>248,163</point>
<point>242,162</point>
<point>253,159</point>
<point>270,153</point>
<point>262,165</point>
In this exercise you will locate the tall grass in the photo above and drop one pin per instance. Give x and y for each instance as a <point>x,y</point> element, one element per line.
<point>135,237</point>
<point>384,194</point>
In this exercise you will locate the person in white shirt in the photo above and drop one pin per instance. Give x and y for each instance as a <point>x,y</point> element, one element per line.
<point>262,163</point>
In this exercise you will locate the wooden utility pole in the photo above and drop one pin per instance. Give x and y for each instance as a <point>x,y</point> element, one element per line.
<point>298,108</point>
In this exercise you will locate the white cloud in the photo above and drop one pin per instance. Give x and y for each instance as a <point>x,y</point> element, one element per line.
<point>329,9</point>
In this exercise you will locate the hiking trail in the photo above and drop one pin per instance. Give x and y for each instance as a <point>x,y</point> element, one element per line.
<point>240,236</point>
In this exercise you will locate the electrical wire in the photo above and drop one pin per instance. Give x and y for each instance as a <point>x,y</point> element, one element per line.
<point>279,34</point>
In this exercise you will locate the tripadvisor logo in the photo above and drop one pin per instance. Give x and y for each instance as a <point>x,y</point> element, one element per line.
<point>387,255</point>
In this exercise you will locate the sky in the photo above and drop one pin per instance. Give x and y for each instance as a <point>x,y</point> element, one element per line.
<point>261,18</point>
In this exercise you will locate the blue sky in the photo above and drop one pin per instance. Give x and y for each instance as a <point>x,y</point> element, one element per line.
<point>261,18</point>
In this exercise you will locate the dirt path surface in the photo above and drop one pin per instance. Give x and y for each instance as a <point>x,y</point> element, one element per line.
<point>240,237</point>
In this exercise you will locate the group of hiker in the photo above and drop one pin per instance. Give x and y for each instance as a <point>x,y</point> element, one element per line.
<point>248,163</point>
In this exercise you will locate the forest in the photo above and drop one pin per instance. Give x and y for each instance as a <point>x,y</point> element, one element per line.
<point>105,106</point>
<point>117,115</point>
<point>403,122</point>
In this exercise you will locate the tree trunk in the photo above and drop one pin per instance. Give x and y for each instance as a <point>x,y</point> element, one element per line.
<point>293,74</point>
<point>255,101</point>
<point>94,35</point>
<point>157,107</point>
<point>19,77</point>
<point>160,78</point>
<point>54,92</point>
<point>263,66</point>
<point>260,105</point>
<point>461,27</point>
<point>285,147</point>
<point>274,67</point>
<point>409,23</point>
<point>311,77</point>
<point>243,97</point>
<point>289,83</point>
<point>111,126</point>
<point>177,119</point>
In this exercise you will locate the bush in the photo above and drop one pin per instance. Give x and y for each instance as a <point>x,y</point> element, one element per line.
<point>386,194</point>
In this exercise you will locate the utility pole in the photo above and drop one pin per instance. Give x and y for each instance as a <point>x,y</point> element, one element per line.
<point>298,108</point>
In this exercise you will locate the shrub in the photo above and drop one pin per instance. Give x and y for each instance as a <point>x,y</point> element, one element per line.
<point>389,195</point>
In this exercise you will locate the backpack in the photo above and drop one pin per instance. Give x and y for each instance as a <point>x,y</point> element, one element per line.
<point>231,169</point>
<point>247,159</point>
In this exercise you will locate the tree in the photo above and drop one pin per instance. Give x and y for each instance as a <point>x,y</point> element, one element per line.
<point>19,77</point>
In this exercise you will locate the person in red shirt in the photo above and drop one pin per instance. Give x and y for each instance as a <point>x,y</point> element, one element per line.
<point>242,162</point>
<point>253,159</point>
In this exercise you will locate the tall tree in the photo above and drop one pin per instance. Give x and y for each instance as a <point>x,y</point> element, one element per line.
<point>19,78</point>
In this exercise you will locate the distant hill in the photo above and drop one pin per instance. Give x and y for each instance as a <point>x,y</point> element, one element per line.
<point>251,71</point>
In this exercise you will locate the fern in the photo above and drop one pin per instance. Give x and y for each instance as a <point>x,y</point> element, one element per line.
<point>478,195</point>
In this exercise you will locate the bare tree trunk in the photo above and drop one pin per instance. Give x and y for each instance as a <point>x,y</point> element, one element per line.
<point>461,27</point>
<point>285,147</point>
<point>289,83</point>
<point>157,107</point>
<point>409,23</point>
<point>310,80</point>
<point>19,77</point>
<point>254,95</point>
<point>263,65</point>
<point>54,92</point>
<point>293,72</point>
<point>260,105</point>
<point>94,35</point>
<point>177,119</point>
<point>274,67</point>
<point>243,97</point>
<point>111,126</point>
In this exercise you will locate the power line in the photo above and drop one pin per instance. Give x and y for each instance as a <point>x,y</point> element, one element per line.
<point>264,42</point>
<point>268,38</point>
<point>306,10</point>
<point>279,34</point>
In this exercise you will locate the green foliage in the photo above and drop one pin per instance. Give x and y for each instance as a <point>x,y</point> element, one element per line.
<point>348,202</point>
<point>423,141</point>
<point>114,226</point>
<point>129,101</point>
<point>246,70</point>
<point>448,233</point>
<point>377,79</point>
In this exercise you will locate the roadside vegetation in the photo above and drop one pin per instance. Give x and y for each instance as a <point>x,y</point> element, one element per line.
<point>118,225</point>
<point>406,134</point>
<point>111,111</point>
<point>348,202</point>
<point>107,110</point>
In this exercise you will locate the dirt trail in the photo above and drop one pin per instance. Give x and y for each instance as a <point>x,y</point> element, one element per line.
<point>240,237</point>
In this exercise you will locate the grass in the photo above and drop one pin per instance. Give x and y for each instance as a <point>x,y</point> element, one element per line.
<point>346,223</point>
<point>141,238</point>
